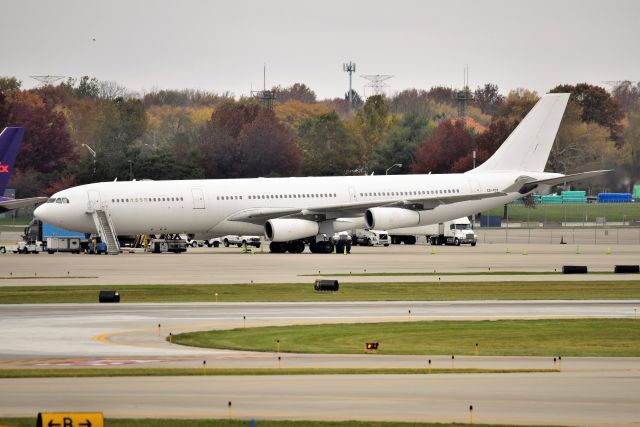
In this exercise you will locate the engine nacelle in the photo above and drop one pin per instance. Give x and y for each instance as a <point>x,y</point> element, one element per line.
<point>284,229</point>
<point>388,218</point>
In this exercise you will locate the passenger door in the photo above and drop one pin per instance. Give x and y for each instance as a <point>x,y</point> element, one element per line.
<point>198,198</point>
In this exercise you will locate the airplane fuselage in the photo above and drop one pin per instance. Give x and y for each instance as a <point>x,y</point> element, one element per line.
<point>205,206</point>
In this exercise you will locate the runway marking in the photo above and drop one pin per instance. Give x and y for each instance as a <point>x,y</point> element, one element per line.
<point>105,338</point>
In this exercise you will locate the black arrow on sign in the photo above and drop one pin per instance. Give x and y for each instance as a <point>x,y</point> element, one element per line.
<point>52,424</point>
<point>87,424</point>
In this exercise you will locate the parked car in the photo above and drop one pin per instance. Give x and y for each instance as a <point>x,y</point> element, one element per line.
<point>241,240</point>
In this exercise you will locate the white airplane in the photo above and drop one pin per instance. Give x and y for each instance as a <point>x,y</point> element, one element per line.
<point>290,211</point>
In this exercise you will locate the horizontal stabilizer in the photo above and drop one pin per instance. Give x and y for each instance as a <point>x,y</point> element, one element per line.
<point>524,186</point>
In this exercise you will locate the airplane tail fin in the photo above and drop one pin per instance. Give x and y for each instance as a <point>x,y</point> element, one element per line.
<point>10,139</point>
<point>528,146</point>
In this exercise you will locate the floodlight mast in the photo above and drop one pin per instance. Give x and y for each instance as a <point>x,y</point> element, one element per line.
<point>350,68</point>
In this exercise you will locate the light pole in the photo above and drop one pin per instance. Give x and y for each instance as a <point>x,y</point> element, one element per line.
<point>386,172</point>
<point>93,153</point>
<point>130,170</point>
<point>474,159</point>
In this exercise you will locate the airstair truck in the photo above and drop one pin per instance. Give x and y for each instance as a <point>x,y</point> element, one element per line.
<point>455,232</point>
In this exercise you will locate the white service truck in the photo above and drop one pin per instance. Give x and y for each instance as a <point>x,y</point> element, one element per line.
<point>364,237</point>
<point>454,232</point>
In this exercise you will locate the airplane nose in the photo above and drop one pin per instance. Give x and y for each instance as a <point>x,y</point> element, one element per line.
<point>41,213</point>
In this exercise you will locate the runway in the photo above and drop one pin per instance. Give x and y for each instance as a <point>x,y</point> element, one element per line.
<point>98,330</point>
<point>584,398</point>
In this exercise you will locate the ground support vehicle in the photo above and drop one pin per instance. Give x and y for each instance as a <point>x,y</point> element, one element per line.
<point>364,237</point>
<point>28,247</point>
<point>456,232</point>
<point>241,241</point>
<point>63,244</point>
<point>168,243</point>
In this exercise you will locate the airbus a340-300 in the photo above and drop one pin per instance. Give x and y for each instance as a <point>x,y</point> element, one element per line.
<point>291,210</point>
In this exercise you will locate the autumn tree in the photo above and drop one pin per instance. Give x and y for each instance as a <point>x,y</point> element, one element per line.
<point>409,101</point>
<point>47,153</point>
<point>297,91</point>
<point>268,148</point>
<point>294,112</point>
<point>405,135</point>
<point>119,124</point>
<point>243,139</point>
<point>371,124</point>
<point>9,83</point>
<point>627,95</point>
<point>488,98</point>
<point>328,146</point>
<point>517,104</point>
<point>598,106</point>
<point>485,144</point>
<point>441,95</point>
<point>449,142</point>
<point>578,144</point>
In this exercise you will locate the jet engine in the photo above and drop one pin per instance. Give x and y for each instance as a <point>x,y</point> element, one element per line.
<point>286,229</point>
<point>388,218</point>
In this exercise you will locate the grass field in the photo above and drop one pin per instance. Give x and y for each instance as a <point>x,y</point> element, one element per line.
<point>175,372</point>
<point>287,292</point>
<point>575,337</point>
<point>121,422</point>
<point>587,212</point>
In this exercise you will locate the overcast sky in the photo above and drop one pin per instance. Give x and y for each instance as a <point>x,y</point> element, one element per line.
<point>222,45</point>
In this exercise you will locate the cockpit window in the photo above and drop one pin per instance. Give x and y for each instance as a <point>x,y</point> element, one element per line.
<point>51,200</point>
<point>58,200</point>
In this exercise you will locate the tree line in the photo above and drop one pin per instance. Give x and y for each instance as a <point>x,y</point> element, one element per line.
<point>86,130</point>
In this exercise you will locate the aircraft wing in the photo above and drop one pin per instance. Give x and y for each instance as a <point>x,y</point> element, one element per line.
<point>260,215</point>
<point>7,205</point>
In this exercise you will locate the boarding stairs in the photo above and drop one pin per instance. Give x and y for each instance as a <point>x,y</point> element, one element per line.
<point>107,232</point>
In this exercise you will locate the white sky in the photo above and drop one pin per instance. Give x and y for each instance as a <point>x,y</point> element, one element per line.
<point>222,45</point>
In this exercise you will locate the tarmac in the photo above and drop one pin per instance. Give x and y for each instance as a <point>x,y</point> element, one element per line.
<point>229,265</point>
<point>588,391</point>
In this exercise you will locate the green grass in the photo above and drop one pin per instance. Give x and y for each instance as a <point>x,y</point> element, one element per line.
<point>124,422</point>
<point>575,337</point>
<point>587,212</point>
<point>174,372</point>
<point>288,292</point>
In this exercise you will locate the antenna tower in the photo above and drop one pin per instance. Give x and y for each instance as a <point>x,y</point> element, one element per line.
<point>349,68</point>
<point>47,80</point>
<point>377,83</point>
<point>265,96</point>
<point>464,96</point>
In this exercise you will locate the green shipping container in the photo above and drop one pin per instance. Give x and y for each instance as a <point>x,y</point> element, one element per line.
<point>636,191</point>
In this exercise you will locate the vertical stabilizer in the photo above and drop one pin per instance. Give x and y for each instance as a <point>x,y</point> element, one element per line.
<point>10,139</point>
<point>528,146</point>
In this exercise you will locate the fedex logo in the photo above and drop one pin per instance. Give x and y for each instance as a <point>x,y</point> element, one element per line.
<point>4,168</point>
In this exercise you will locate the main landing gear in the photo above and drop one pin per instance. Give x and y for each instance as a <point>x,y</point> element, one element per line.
<point>321,247</point>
